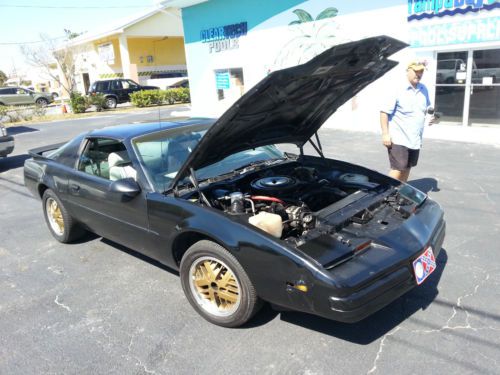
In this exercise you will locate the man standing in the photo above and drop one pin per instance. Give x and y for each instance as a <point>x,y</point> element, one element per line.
<point>402,122</point>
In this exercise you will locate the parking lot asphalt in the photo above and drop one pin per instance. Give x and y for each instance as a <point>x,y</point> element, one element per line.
<point>94,307</point>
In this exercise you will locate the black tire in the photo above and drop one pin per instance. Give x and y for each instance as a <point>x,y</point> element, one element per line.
<point>62,226</point>
<point>209,300</point>
<point>111,102</point>
<point>42,102</point>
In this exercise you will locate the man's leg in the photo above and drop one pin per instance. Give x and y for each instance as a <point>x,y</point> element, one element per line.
<point>400,175</point>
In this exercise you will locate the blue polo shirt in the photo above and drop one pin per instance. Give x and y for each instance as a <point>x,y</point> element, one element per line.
<point>406,110</point>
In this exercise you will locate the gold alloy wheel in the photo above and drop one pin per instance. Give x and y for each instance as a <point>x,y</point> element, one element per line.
<point>54,215</point>
<point>214,286</point>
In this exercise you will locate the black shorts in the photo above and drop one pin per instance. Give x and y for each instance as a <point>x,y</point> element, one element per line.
<point>402,157</point>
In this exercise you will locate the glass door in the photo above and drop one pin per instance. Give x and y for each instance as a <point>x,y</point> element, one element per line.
<point>484,106</point>
<point>451,77</point>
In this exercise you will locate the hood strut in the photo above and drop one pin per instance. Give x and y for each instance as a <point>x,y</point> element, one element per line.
<point>317,147</point>
<point>194,181</point>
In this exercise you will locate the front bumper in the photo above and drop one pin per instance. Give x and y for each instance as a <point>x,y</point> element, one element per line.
<point>6,145</point>
<point>362,293</point>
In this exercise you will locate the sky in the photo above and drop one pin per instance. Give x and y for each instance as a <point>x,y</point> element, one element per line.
<point>24,20</point>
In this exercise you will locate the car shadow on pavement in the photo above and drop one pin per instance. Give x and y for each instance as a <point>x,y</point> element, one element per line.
<point>12,162</point>
<point>425,184</point>
<point>138,255</point>
<point>13,130</point>
<point>383,321</point>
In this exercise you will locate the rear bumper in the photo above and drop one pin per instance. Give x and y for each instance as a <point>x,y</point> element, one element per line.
<point>6,145</point>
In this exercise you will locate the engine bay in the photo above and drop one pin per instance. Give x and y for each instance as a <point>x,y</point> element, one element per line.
<point>298,200</point>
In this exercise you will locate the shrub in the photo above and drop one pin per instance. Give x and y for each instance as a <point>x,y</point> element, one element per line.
<point>181,94</point>
<point>167,96</point>
<point>78,102</point>
<point>98,101</point>
<point>3,111</point>
<point>146,97</point>
<point>39,111</point>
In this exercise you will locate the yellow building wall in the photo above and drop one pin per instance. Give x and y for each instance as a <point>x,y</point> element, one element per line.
<point>168,51</point>
<point>116,50</point>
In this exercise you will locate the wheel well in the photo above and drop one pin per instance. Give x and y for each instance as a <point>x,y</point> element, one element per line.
<point>41,189</point>
<point>184,241</point>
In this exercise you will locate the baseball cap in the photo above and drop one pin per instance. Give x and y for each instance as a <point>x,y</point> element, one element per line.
<point>417,65</point>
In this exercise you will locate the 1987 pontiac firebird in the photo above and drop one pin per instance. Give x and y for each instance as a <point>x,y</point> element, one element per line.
<point>242,221</point>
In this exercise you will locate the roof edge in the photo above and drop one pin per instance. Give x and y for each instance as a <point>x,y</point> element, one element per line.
<point>181,3</point>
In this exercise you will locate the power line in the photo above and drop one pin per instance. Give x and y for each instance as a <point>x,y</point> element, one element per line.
<point>73,7</point>
<point>31,42</point>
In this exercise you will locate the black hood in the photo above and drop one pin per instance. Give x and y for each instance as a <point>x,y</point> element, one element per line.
<point>290,105</point>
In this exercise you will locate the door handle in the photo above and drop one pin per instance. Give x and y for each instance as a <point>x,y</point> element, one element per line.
<point>75,187</point>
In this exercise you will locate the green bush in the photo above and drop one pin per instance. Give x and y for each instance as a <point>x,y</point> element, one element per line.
<point>156,97</point>
<point>3,110</point>
<point>181,94</point>
<point>98,101</point>
<point>167,96</point>
<point>146,97</point>
<point>78,102</point>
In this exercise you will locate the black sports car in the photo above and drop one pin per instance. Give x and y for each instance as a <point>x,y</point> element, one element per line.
<point>242,221</point>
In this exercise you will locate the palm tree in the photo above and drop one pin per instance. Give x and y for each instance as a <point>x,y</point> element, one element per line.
<point>314,37</point>
<point>306,17</point>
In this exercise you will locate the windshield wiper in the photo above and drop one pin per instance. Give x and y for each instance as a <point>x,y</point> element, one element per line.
<point>252,165</point>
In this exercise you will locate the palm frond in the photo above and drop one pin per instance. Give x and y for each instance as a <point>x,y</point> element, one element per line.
<point>327,13</point>
<point>303,15</point>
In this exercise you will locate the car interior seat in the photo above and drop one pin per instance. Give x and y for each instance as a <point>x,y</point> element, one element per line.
<point>178,152</point>
<point>120,166</point>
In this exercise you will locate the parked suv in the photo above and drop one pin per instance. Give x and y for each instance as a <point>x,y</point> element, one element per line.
<point>117,90</point>
<point>6,142</point>
<point>23,96</point>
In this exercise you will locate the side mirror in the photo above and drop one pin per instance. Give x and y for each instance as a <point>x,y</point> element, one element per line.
<point>124,190</point>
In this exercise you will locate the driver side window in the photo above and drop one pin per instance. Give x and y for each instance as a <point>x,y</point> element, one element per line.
<point>106,158</point>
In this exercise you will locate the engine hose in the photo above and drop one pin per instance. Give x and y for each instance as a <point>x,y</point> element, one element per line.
<point>265,198</point>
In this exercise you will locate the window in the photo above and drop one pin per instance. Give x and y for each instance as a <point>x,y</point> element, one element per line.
<point>106,158</point>
<point>102,86</point>
<point>116,85</point>
<point>129,84</point>
<point>229,83</point>
<point>8,91</point>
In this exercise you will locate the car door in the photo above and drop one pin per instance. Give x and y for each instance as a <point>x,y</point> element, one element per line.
<point>24,97</point>
<point>117,89</point>
<point>8,96</point>
<point>129,87</point>
<point>121,220</point>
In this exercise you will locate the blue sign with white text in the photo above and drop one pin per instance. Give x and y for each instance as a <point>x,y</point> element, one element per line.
<point>425,9</point>
<point>222,80</point>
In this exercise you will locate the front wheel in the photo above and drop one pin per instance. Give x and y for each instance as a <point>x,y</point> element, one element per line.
<point>217,286</point>
<point>61,224</point>
<point>42,102</point>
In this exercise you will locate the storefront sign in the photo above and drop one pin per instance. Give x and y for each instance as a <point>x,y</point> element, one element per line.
<point>424,9</point>
<point>224,38</point>
<point>222,80</point>
<point>471,31</point>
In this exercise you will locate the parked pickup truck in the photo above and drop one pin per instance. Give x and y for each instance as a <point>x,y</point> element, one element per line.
<point>6,142</point>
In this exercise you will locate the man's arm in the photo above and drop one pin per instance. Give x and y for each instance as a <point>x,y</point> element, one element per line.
<point>384,124</point>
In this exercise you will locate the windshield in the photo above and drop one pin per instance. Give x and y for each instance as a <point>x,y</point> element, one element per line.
<point>162,155</point>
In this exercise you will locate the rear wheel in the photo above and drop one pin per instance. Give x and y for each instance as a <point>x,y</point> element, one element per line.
<point>111,102</point>
<point>61,224</point>
<point>217,286</point>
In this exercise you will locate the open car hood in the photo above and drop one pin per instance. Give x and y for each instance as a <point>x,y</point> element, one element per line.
<point>290,105</point>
